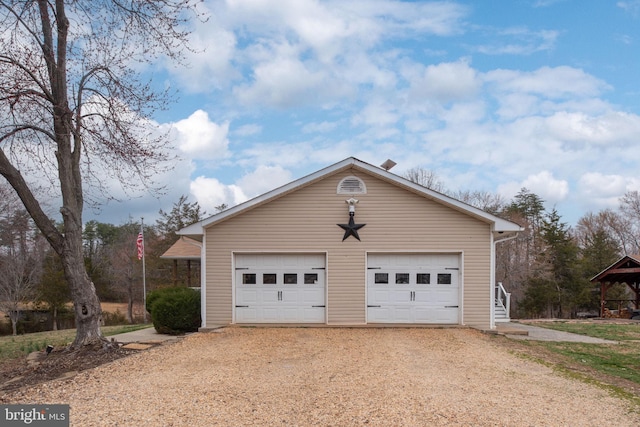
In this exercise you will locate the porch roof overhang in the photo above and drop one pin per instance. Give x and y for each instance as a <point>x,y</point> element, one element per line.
<point>184,248</point>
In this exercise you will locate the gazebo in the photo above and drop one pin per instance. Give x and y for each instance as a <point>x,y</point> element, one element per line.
<point>184,249</point>
<point>626,270</point>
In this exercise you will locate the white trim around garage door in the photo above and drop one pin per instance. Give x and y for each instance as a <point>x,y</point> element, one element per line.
<point>415,287</point>
<point>279,287</point>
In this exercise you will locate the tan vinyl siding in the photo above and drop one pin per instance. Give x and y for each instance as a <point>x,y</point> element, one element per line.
<point>396,219</point>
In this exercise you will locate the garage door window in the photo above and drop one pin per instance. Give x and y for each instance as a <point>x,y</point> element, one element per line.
<point>290,278</point>
<point>402,278</point>
<point>269,279</point>
<point>382,278</point>
<point>444,278</point>
<point>310,278</point>
<point>248,279</point>
<point>423,278</point>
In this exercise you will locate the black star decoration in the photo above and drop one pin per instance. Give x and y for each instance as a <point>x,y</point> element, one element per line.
<point>352,228</point>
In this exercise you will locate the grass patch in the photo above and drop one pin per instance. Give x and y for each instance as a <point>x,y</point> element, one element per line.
<point>619,360</point>
<point>615,365</point>
<point>13,347</point>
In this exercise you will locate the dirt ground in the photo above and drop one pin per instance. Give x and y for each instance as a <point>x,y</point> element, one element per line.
<point>325,376</point>
<point>17,374</point>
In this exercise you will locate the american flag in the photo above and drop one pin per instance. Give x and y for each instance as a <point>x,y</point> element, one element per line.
<point>140,245</point>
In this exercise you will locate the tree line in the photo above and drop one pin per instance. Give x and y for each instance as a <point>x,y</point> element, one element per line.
<point>547,268</point>
<point>32,275</point>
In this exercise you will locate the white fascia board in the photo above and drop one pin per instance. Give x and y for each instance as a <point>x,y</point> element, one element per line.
<point>498,224</point>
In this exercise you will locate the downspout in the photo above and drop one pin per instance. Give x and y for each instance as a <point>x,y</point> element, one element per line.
<point>203,284</point>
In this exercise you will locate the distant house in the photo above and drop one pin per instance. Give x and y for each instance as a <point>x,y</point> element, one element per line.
<point>351,244</point>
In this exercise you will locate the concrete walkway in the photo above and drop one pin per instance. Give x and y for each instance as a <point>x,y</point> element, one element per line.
<point>144,336</point>
<point>524,331</point>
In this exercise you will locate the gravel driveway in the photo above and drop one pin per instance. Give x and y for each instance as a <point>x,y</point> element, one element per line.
<point>326,376</point>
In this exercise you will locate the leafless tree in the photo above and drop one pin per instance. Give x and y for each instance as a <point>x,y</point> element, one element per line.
<point>488,202</point>
<point>75,107</point>
<point>612,224</point>
<point>425,177</point>
<point>21,257</point>
<point>124,268</point>
<point>627,225</point>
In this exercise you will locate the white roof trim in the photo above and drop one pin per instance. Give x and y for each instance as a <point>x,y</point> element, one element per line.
<point>499,225</point>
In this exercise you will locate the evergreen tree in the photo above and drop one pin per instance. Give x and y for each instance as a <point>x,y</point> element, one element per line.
<point>515,259</point>
<point>53,290</point>
<point>556,281</point>
<point>181,215</point>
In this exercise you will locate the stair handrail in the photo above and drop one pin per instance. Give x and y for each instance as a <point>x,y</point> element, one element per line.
<point>503,297</point>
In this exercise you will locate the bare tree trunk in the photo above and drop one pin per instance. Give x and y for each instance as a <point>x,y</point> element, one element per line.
<point>55,319</point>
<point>88,315</point>
<point>130,302</point>
<point>14,322</point>
<point>86,305</point>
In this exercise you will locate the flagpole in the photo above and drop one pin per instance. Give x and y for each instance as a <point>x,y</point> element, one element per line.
<point>144,274</point>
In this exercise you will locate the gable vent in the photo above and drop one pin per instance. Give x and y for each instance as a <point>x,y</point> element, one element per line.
<point>352,185</point>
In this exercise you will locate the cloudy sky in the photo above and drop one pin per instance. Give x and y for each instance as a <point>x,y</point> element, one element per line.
<point>490,95</point>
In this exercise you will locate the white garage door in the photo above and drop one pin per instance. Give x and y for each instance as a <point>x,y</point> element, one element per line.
<point>416,288</point>
<point>283,288</point>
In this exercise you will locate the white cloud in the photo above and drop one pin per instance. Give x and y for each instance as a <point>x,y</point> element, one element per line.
<point>282,82</point>
<point>197,136</point>
<point>604,191</point>
<point>325,24</point>
<point>543,184</point>
<point>550,82</point>
<point>263,179</point>
<point>248,130</point>
<point>319,127</point>
<point>209,193</point>
<point>596,183</point>
<point>614,128</point>
<point>379,113</point>
<point>294,52</point>
<point>546,3</point>
<point>210,61</point>
<point>445,82</point>
<point>520,41</point>
<point>631,6</point>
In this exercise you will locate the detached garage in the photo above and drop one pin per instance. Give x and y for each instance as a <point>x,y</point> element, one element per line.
<point>351,244</point>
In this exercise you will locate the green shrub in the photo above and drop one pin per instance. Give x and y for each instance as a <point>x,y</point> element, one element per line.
<point>161,293</point>
<point>174,310</point>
